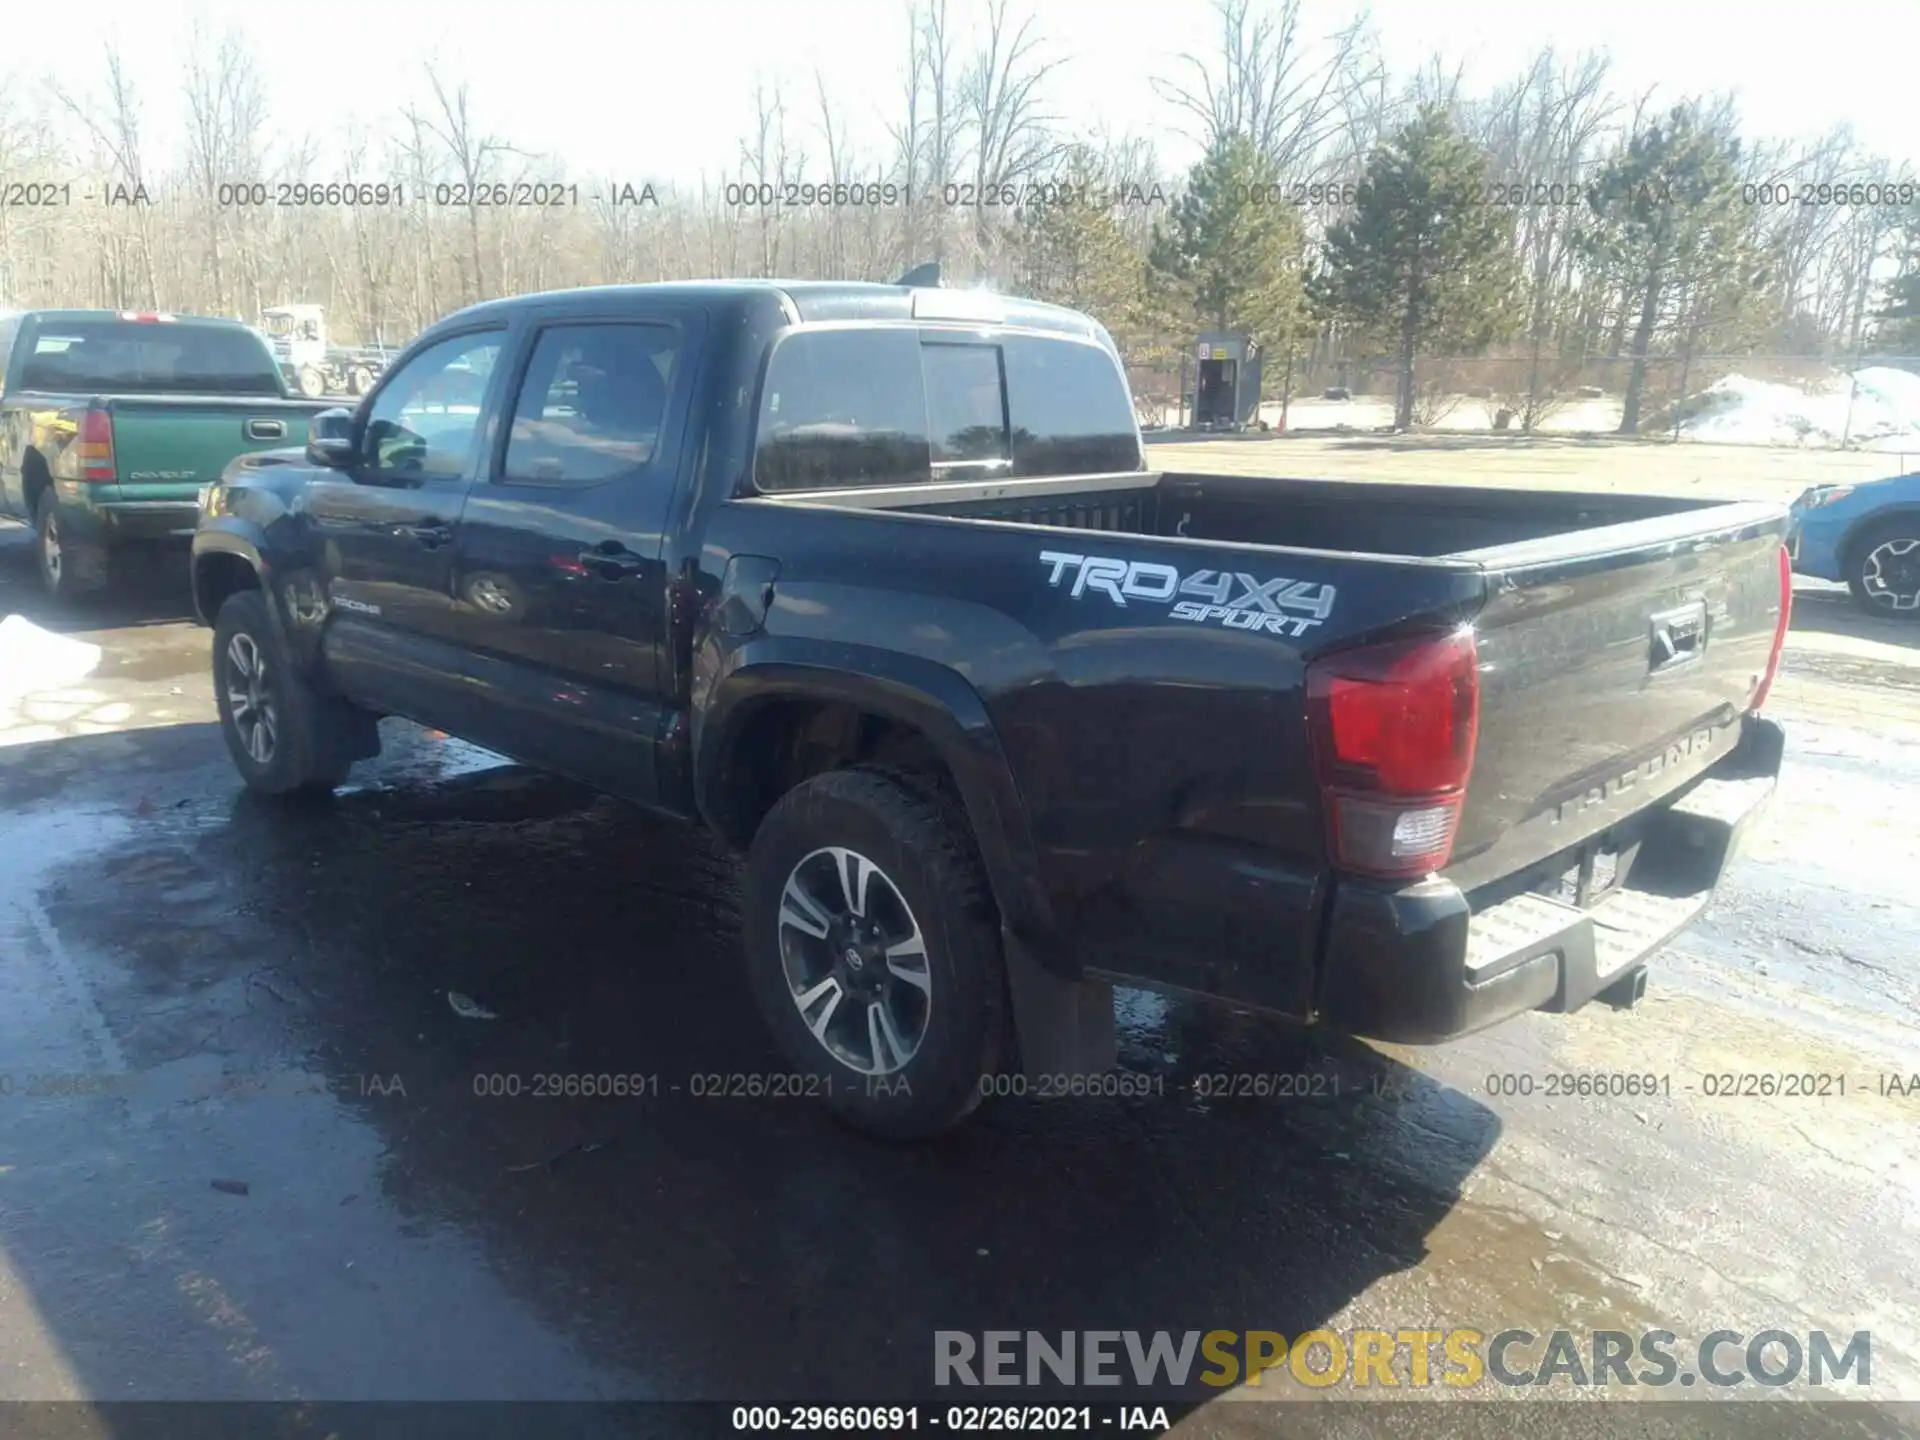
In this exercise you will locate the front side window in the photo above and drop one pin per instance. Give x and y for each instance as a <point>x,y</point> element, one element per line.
<point>842,408</point>
<point>593,403</point>
<point>426,418</point>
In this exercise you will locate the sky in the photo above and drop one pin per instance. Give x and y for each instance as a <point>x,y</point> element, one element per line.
<point>637,89</point>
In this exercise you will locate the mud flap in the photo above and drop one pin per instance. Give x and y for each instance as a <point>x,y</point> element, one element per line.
<point>1062,1027</point>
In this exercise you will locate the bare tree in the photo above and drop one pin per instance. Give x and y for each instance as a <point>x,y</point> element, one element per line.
<point>1264,83</point>
<point>944,117</point>
<point>226,116</point>
<point>472,154</point>
<point>117,133</point>
<point>764,157</point>
<point>1013,137</point>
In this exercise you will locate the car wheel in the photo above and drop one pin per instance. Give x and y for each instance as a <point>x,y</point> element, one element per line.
<point>359,380</point>
<point>284,737</point>
<point>1885,572</point>
<point>874,950</point>
<point>312,383</point>
<point>67,567</point>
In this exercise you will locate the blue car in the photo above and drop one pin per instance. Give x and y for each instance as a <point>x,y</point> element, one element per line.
<point>1867,535</point>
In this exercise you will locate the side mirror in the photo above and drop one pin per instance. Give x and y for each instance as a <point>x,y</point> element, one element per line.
<point>330,439</point>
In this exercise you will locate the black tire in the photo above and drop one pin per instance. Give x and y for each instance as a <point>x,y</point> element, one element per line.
<point>67,567</point>
<point>1872,563</point>
<point>917,836</point>
<point>314,739</point>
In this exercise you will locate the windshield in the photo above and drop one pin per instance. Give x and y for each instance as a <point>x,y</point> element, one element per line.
<point>277,324</point>
<point>133,357</point>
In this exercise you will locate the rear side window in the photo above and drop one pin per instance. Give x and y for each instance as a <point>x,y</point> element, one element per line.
<point>843,408</point>
<point>145,357</point>
<point>592,404</point>
<point>860,407</point>
<point>1072,410</point>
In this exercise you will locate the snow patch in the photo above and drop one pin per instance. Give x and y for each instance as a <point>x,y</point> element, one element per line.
<point>1738,410</point>
<point>34,659</point>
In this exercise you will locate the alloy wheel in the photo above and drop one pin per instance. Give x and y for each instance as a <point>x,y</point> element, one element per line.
<point>1891,574</point>
<point>249,701</point>
<point>855,962</point>
<point>50,553</point>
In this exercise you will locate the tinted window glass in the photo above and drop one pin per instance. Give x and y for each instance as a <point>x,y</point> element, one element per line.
<point>593,403</point>
<point>142,357</point>
<point>1072,410</point>
<point>966,409</point>
<point>425,417</point>
<point>843,408</point>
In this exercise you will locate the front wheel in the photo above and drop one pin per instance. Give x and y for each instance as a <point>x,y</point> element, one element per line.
<point>312,383</point>
<point>874,951</point>
<point>1885,573</point>
<point>284,737</point>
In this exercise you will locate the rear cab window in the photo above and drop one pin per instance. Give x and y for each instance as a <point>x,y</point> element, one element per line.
<point>108,354</point>
<point>857,407</point>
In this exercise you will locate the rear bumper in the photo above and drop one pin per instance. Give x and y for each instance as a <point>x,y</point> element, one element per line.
<point>110,520</point>
<point>1418,965</point>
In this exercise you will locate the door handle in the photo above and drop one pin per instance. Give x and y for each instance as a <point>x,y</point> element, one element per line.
<point>612,561</point>
<point>430,533</point>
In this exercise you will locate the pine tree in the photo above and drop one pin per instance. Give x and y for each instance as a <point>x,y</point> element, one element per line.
<point>1668,219</point>
<point>1424,260</point>
<point>1899,330</point>
<point>1076,252</point>
<point>1232,250</point>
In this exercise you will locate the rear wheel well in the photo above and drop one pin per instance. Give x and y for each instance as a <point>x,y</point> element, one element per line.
<point>787,741</point>
<point>34,478</point>
<point>215,577</point>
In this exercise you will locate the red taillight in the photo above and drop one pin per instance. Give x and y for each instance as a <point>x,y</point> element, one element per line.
<point>1779,630</point>
<point>93,446</point>
<point>1393,735</point>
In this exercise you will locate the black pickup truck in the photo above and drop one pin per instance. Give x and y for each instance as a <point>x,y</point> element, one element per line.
<point>874,581</point>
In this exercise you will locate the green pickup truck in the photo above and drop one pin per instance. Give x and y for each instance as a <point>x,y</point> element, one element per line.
<point>111,421</point>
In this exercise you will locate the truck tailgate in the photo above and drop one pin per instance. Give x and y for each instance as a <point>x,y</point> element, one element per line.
<point>167,447</point>
<point>1615,665</point>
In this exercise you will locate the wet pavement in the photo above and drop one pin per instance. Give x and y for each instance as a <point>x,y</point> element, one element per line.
<point>252,1149</point>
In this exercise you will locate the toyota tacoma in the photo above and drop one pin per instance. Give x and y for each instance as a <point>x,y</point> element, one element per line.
<point>876,583</point>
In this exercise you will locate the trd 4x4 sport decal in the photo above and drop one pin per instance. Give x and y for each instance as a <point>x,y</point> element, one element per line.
<point>1237,601</point>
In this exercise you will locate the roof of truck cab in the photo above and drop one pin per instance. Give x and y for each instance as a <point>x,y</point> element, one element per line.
<point>812,300</point>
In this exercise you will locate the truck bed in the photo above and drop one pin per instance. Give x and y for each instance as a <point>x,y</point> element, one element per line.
<point>1357,517</point>
<point>1621,638</point>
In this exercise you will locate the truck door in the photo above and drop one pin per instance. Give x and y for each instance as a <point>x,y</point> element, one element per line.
<point>558,569</point>
<point>386,526</point>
